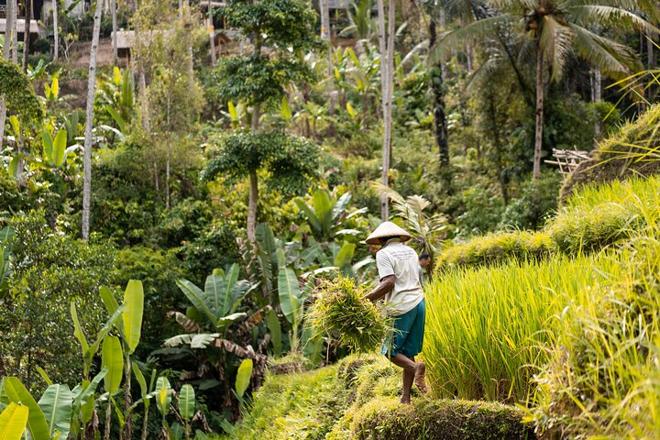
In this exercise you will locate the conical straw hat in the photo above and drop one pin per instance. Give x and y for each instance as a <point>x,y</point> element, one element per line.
<point>387,229</point>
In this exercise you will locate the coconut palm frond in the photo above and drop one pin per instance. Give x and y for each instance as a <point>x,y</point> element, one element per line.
<point>610,57</point>
<point>472,32</point>
<point>555,41</point>
<point>514,4</point>
<point>610,15</point>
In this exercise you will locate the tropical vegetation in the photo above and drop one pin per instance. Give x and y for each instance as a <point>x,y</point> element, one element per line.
<point>186,187</point>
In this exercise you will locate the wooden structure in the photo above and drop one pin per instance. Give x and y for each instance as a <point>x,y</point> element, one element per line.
<point>568,160</point>
<point>35,27</point>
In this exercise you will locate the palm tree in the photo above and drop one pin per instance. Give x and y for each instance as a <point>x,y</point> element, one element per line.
<point>56,32</point>
<point>89,121</point>
<point>386,43</point>
<point>553,30</point>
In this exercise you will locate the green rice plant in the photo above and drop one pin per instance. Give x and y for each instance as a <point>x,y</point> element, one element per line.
<point>597,217</point>
<point>603,378</point>
<point>487,329</point>
<point>342,312</point>
<point>496,248</point>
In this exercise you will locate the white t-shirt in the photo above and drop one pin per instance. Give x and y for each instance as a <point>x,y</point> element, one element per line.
<point>395,258</point>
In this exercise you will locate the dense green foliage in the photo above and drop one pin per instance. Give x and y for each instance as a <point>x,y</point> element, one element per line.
<point>234,161</point>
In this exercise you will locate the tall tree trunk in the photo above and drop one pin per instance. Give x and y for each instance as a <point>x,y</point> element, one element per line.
<point>56,31</point>
<point>326,35</point>
<point>14,32</point>
<point>89,122</point>
<point>439,116</point>
<point>596,96</point>
<point>113,11</point>
<point>491,116</point>
<point>386,41</point>
<point>252,207</point>
<point>6,53</point>
<point>468,57</point>
<point>26,33</point>
<point>538,135</point>
<point>253,198</point>
<point>211,29</point>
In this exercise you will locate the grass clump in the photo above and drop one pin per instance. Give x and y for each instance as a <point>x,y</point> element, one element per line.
<point>439,419</point>
<point>496,248</point>
<point>294,406</point>
<point>342,312</point>
<point>486,328</point>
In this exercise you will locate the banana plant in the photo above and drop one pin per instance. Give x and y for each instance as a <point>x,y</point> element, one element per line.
<point>54,147</point>
<point>129,328</point>
<point>326,214</point>
<point>60,411</point>
<point>221,297</point>
<point>185,409</point>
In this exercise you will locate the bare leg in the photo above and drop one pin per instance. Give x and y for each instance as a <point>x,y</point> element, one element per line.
<point>409,368</point>
<point>420,377</point>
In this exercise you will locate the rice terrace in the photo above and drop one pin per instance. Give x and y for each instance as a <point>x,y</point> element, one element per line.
<point>329,220</point>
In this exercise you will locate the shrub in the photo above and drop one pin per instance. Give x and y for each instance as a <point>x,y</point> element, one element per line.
<point>632,151</point>
<point>496,248</point>
<point>597,217</point>
<point>444,419</point>
<point>342,312</point>
<point>184,222</point>
<point>485,327</point>
<point>49,271</point>
<point>538,200</point>
<point>215,248</point>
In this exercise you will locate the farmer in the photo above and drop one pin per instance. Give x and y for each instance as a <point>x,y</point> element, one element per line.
<point>398,271</point>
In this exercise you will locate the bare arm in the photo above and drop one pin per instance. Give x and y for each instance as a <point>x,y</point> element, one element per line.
<point>384,287</point>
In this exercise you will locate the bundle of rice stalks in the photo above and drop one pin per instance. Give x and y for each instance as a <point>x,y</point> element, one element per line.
<point>342,312</point>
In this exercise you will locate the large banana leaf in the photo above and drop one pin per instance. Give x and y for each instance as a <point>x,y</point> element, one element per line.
<point>17,393</point>
<point>243,376</point>
<point>57,405</point>
<point>196,297</point>
<point>275,330</point>
<point>13,421</point>
<point>289,293</point>
<point>77,329</point>
<point>345,255</point>
<point>132,316</point>
<point>112,358</point>
<point>187,402</point>
<point>163,395</point>
<point>59,148</point>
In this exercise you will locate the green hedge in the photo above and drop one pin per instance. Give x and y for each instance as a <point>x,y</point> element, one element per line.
<point>439,419</point>
<point>496,248</point>
<point>592,219</point>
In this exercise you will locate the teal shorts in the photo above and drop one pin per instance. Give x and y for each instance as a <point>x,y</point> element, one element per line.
<point>408,335</point>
